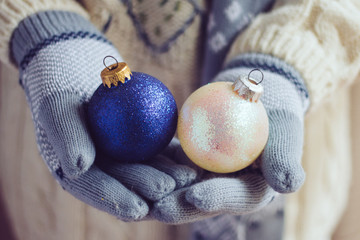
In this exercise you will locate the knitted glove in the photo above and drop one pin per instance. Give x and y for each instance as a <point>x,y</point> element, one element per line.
<point>264,224</point>
<point>60,58</point>
<point>285,99</point>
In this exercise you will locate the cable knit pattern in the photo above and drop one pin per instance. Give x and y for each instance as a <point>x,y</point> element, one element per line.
<point>321,39</point>
<point>14,11</point>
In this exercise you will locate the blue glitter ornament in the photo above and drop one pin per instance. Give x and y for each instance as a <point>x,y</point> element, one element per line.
<point>133,120</point>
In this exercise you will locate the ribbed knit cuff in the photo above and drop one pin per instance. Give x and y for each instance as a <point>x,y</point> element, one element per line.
<point>39,30</point>
<point>269,63</point>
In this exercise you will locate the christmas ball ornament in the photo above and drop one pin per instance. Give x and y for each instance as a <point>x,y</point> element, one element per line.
<point>132,116</point>
<point>223,127</point>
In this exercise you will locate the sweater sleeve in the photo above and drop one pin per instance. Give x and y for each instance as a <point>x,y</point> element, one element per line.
<point>14,11</point>
<point>319,38</point>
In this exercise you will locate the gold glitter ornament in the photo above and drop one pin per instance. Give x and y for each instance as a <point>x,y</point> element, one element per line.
<point>223,127</point>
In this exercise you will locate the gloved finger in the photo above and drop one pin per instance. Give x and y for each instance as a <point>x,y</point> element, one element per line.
<point>182,174</point>
<point>107,194</point>
<point>63,118</point>
<point>175,209</point>
<point>281,159</point>
<point>149,182</point>
<point>240,195</point>
<point>264,224</point>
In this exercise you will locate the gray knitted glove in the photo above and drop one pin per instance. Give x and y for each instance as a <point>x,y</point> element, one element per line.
<point>60,58</point>
<point>286,100</point>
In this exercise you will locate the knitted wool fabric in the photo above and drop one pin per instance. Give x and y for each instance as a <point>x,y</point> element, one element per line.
<point>227,19</point>
<point>343,22</point>
<point>320,39</point>
<point>232,194</point>
<point>14,11</point>
<point>286,100</point>
<point>264,224</point>
<point>60,57</point>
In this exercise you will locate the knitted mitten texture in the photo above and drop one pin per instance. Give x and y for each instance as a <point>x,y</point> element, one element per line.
<point>264,224</point>
<point>60,56</point>
<point>286,100</point>
<point>213,194</point>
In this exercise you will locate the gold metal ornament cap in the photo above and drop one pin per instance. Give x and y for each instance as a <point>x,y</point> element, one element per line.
<point>248,88</point>
<point>115,73</point>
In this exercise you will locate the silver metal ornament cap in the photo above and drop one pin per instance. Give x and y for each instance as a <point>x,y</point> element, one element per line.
<point>248,88</point>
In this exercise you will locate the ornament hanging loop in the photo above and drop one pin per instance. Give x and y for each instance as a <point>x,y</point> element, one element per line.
<point>110,68</point>
<point>262,75</point>
<point>247,88</point>
<point>115,73</point>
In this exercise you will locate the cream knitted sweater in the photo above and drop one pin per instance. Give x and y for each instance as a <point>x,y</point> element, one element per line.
<point>330,30</point>
<point>320,38</point>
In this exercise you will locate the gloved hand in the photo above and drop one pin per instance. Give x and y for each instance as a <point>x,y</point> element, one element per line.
<point>60,58</point>
<point>278,169</point>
